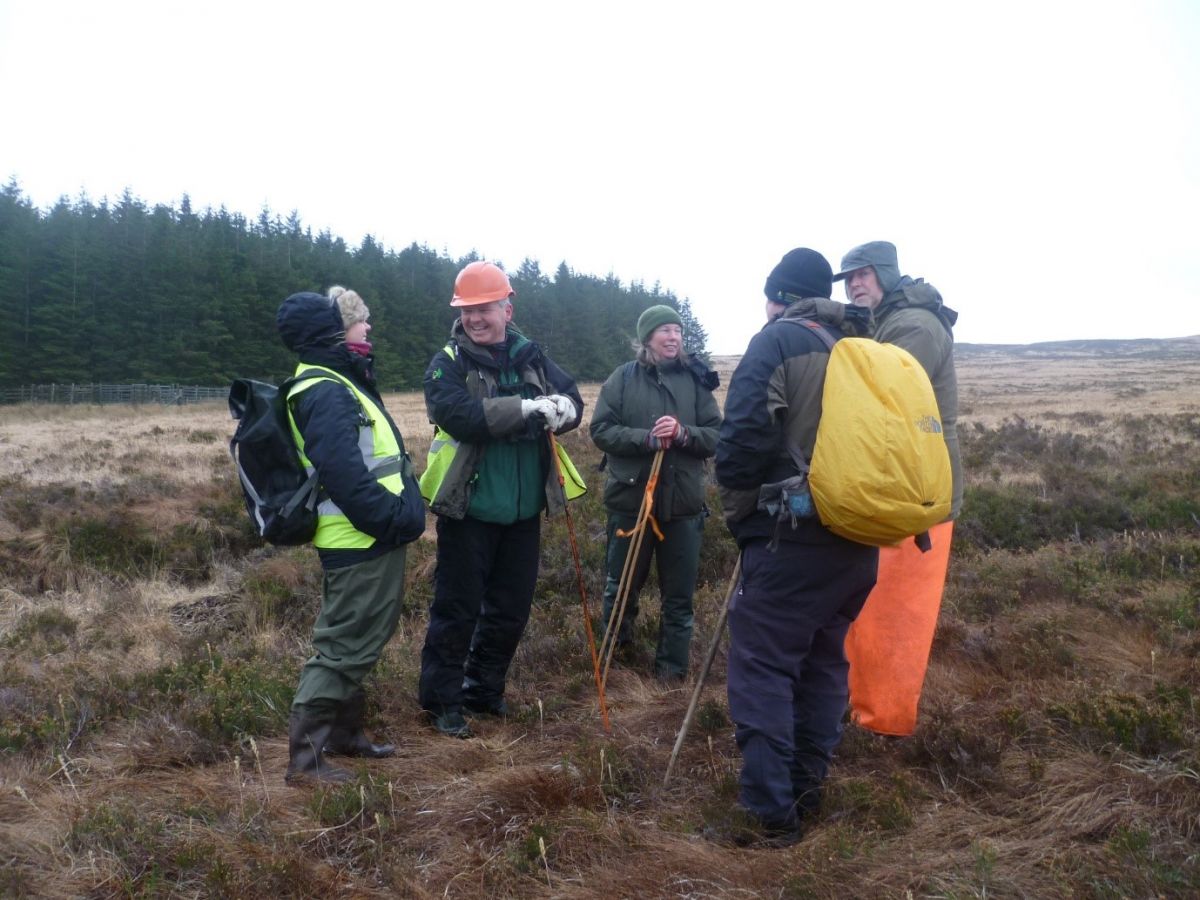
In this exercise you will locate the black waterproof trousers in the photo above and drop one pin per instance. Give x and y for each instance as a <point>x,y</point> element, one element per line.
<point>482,594</point>
<point>787,674</point>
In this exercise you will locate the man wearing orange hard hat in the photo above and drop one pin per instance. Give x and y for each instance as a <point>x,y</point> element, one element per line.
<point>492,394</point>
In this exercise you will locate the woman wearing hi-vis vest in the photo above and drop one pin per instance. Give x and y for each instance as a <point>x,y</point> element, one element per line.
<point>369,507</point>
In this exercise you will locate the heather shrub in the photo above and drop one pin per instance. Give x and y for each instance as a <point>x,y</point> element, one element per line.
<point>1159,722</point>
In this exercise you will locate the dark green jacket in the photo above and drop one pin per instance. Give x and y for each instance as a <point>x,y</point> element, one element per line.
<point>913,317</point>
<point>633,398</point>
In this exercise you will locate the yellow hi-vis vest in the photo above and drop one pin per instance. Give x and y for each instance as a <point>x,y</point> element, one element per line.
<point>380,452</point>
<point>443,450</point>
<point>444,447</point>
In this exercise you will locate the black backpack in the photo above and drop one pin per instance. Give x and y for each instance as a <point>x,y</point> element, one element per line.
<point>281,497</point>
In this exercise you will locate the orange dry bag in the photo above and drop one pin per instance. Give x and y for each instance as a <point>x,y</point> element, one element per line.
<point>888,644</point>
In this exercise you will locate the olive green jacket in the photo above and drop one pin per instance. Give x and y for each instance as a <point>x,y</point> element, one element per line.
<point>633,398</point>
<point>914,318</point>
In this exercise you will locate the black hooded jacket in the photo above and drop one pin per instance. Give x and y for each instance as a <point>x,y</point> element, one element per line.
<point>328,417</point>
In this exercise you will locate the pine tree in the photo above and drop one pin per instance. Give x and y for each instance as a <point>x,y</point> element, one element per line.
<point>695,338</point>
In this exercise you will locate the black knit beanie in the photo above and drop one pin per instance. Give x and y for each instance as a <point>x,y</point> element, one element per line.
<point>801,273</point>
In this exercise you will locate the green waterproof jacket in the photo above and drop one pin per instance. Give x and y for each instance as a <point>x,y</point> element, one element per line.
<point>912,316</point>
<point>633,398</point>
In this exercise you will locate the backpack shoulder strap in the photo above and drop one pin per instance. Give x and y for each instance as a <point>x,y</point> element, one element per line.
<point>829,341</point>
<point>320,373</point>
<point>311,375</point>
<point>627,371</point>
<point>816,328</point>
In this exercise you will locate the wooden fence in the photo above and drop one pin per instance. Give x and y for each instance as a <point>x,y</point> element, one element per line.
<point>167,394</point>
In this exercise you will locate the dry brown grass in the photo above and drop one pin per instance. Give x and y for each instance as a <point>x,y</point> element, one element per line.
<point>1015,784</point>
<point>1088,392</point>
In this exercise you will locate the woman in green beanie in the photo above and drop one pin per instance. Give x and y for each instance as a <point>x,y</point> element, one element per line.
<point>662,400</point>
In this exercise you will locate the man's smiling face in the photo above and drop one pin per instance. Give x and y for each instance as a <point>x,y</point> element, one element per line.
<point>484,323</point>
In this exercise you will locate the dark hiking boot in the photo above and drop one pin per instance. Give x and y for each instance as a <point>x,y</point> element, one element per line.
<point>452,724</point>
<point>758,838</point>
<point>770,838</point>
<point>625,650</point>
<point>742,829</point>
<point>348,738</point>
<point>668,678</point>
<point>307,740</point>
<point>494,708</point>
<point>808,800</point>
<point>627,654</point>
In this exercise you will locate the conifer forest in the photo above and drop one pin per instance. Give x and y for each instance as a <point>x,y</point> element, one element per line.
<point>128,292</point>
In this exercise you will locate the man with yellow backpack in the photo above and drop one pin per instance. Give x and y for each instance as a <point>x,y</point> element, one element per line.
<point>492,395</point>
<point>802,584</point>
<point>832,446</point>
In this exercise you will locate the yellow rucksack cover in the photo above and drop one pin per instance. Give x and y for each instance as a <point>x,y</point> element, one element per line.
<point>880,470</point>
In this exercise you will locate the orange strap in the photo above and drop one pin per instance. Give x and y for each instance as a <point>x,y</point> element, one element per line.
<point>651,487</point>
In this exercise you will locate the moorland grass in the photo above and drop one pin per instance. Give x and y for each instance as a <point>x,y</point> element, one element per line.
<point>149,646</point>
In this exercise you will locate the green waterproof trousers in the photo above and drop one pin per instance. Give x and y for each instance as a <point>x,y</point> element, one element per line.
<point>360,608</point>
<point>678,555</point>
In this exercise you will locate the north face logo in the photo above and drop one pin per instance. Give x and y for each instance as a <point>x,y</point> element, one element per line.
<point>929,425</point>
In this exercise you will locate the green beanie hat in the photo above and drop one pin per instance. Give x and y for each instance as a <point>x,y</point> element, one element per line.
<point>654,317</point>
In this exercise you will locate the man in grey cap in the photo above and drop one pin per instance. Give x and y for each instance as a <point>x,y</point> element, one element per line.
<point>909,313</point>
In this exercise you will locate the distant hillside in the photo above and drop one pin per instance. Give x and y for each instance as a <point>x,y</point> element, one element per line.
<point>1122,348</point>
<point>1148,348</point>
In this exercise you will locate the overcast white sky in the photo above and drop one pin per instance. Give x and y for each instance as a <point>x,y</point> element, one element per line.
<point>1039,162</point>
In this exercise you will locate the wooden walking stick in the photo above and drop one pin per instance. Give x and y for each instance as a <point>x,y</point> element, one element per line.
<point>635,535</point>
<point>708,661</point>
<point>608,641</point>
<point>633,551</point>
<point>587,616</point>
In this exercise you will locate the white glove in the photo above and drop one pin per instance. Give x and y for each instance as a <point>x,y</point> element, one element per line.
<point>564,411</point>
<point>542,406</point>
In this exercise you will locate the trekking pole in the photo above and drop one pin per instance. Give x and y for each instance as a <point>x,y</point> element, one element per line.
<point>708,661</point>
<point>587,616</point>
<point>636,536</point>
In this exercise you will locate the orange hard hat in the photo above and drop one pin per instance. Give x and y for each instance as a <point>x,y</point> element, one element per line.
<point>481,282</point>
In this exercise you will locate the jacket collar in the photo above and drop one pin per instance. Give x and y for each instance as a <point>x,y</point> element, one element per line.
<point>915,293</point>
